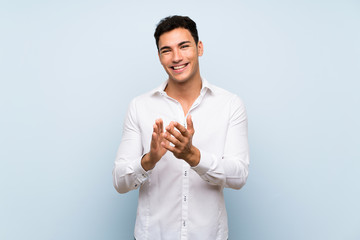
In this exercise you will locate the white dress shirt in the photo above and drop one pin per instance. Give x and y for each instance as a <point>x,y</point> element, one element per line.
<point>177,201</point>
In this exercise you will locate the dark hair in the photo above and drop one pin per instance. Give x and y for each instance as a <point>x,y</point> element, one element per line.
<point>172,22</point>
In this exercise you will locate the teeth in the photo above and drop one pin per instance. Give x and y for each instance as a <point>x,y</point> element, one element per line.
<point>179,67</point>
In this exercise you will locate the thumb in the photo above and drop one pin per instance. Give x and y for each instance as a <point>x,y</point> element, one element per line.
<point>190,125</point>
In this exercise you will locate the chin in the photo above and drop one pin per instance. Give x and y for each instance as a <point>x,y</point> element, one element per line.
<point>179,80</point>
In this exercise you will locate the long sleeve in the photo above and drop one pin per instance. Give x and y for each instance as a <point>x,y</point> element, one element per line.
<point>128,173</point>
<point>231,169</point>
<point>176,200</point>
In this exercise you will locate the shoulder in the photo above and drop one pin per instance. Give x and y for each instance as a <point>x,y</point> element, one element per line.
<point>222,94</point>
<point>235,105</point>
<point>145,97</point>
<point>145,101</point>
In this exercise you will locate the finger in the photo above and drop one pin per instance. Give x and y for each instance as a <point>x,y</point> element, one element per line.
<point>158,129</point>
<point>171,139</point>
<point>190,125</point>
<point>161,125</point>
<point>155,128</point>
<point>168,147</point>
<point>170,129</point>
<point>170,126</point>
<point>154,138</point>
<point>182,129</point>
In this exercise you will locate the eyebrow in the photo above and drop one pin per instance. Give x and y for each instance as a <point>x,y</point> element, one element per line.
<point>184,42</point>
<point>167,47</point>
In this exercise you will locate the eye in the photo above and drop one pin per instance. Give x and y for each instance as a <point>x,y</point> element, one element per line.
<point>165,51</point>
<point>184,46</point>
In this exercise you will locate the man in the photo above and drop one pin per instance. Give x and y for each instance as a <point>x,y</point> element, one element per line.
<point>182,144</point>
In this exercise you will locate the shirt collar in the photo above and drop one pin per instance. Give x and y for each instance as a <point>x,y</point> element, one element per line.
<point>204,87</point>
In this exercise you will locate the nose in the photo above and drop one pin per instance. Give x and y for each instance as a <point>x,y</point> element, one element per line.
<point>177,57</point>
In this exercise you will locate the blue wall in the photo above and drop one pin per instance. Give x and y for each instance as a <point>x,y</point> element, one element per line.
<point>68,70</point>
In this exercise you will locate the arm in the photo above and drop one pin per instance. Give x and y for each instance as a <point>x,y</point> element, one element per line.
<point>182,142</point>
<point>132,168</point>
<point>128,173</point>
<point>231,170</point>
<point>157,150</point>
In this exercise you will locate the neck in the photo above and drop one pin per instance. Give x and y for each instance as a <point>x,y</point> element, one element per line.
<point>184,92</point>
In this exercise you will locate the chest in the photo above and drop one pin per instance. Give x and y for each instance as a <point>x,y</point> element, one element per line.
<point>210,120</point>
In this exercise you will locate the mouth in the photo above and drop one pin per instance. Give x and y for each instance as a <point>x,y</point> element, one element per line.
<point>179,68</point>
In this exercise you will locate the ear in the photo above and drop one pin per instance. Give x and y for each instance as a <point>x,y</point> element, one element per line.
<point>200,48</point>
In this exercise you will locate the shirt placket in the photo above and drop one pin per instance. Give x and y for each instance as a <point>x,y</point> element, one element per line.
<point>185,173</point>
<point>185,185</point>
<point>185,199</point>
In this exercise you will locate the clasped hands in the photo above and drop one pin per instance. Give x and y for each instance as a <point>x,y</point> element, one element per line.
<point>181,147</point>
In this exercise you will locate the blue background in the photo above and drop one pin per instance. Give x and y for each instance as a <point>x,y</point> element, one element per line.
<point>69,69</point>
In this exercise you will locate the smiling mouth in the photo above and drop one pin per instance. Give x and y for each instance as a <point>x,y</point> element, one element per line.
<point>179,67</point>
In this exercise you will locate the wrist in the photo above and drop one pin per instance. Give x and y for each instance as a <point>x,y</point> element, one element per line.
<point>146,162</point>
<point>194,158</point>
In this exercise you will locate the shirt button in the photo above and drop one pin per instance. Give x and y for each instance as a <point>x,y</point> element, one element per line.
<point>184,198</point>
<point>185,174</point>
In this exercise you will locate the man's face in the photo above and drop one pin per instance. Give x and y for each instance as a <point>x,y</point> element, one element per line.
<point>179,54</point>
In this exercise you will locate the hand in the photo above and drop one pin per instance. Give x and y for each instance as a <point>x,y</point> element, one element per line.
<point>156,149</point>
<point>182,141</point>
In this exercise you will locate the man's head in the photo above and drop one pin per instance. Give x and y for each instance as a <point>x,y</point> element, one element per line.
<point>179,48</point>
<point>172,22</point>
